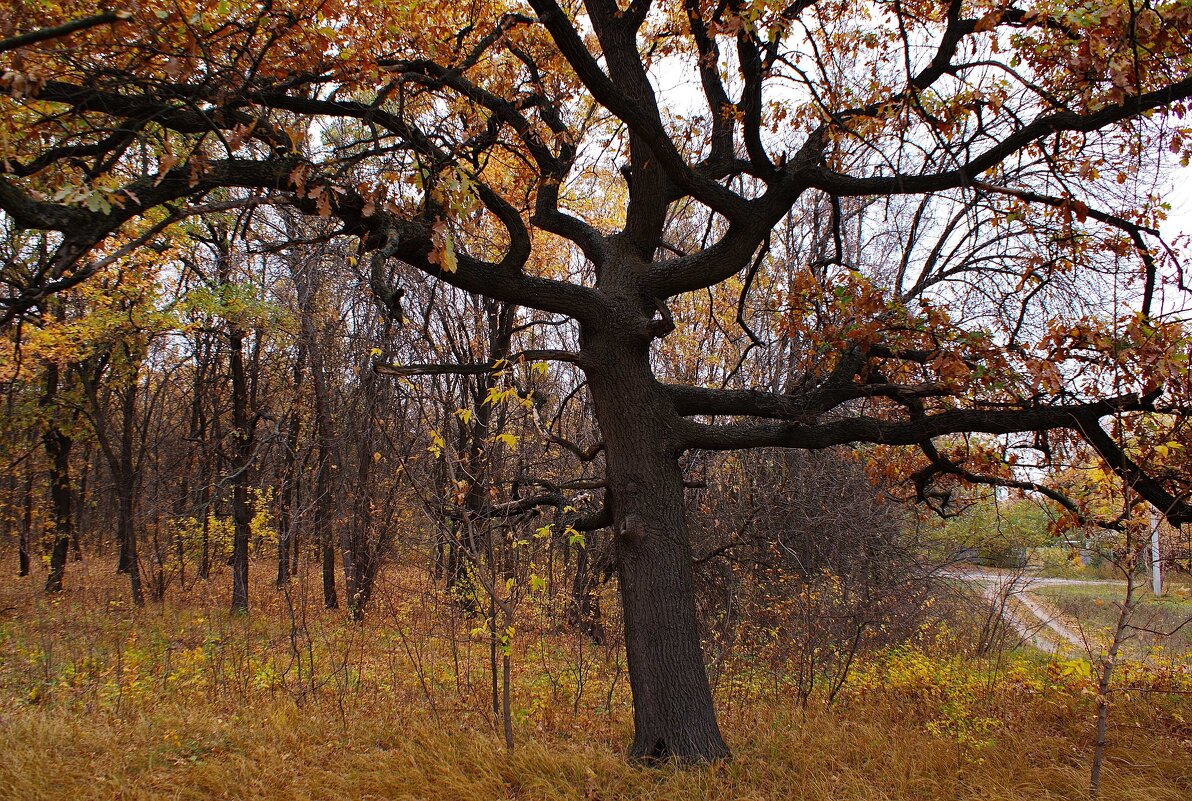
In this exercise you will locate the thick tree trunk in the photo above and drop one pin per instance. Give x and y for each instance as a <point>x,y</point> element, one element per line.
<point>673,712</point>
<point>330,598</point>
<point>122,560</point>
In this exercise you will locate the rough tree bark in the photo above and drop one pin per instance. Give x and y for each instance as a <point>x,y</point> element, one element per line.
<point>673,711</point>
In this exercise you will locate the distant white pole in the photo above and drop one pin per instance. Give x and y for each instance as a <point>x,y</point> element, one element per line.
<point>1156,565</point>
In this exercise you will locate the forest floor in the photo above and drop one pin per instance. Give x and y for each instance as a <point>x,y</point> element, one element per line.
<point>178,700</point>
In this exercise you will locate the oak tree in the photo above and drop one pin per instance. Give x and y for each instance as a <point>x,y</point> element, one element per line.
<point>941,211</point>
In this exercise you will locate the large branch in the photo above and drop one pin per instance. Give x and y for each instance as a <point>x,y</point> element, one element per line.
<point>906,432</point>
<point>406,239</point>
<point>941,464</point>
<point>1176,510</point>
<point>645,122</point>
<point>47,284</point>
<point>690,400</point>
<point>1082,418</point>
<point>181,112</point>
<point>746,232</point>
<point>66,29</point>
<point>1058,122</point>
<point>725,258</point>
<point>553,167</point>
<point>708,64</point>
<point>29,213</point>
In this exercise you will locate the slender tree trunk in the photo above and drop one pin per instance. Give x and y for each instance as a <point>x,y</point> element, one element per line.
<point>306,288</point>
<point>357,555</point>
<point>204,569</point>
<point>124,562</point>
<point>295,533</point>
<point>242,449</point>
<point>323,486</point>
<point>673,712</point>
<point>125,476</point>
<point>57,446</point>
<point>124,559</point>
<point>26,533</point>
<point>127,533</point>
<point>506,694</point>
<point>8,505</point>
<point>198,433</point>
<point>323,507</point>
<point>212,496</point>
<point>366,546</point>
<point>585,602</point>
<point>179,515</point>
<point>347,547</point>
<point>473,437</point>
<point>76,543</point>
<point>288,508</point>
<point>1108,664</point>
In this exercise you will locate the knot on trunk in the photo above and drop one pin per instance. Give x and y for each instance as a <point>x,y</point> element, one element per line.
<point>632,529</point>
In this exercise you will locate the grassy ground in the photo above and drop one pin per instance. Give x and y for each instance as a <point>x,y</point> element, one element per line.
<point>273,751</point>
<point>100,701</point>
<point>1163,623</point>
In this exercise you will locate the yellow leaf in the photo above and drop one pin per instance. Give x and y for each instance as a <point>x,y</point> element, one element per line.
<point>447,258</point>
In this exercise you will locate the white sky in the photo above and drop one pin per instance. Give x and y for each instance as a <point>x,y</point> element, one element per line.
<point>1177,224</point>
<point>1180,197</point>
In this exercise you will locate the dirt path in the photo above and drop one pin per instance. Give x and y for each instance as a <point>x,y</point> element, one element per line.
<point>1031,619</point>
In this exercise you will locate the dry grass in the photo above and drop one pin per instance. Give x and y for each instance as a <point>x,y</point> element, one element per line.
<point>101,702</point>
<point>1160,624</point>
